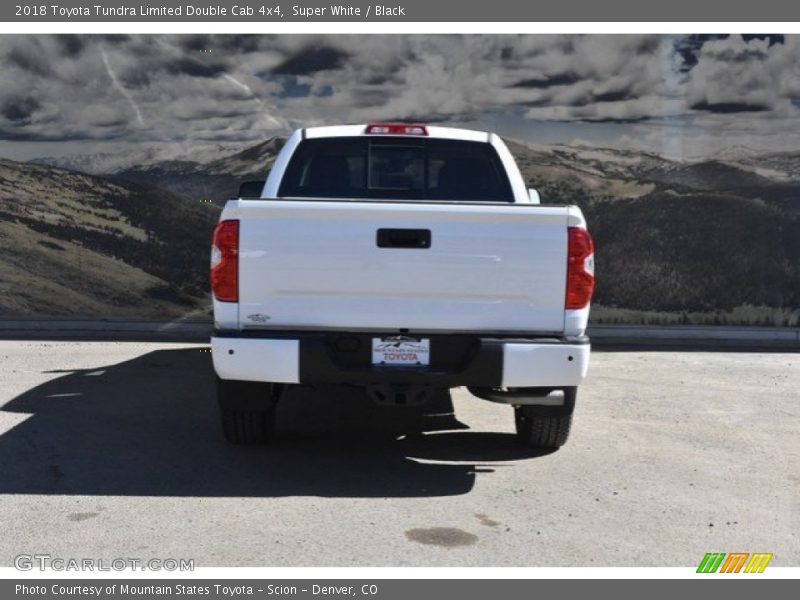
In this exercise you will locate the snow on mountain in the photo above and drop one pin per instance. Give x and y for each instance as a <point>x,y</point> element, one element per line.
<point>137,156</point>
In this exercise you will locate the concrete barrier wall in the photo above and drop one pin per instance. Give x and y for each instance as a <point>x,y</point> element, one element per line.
<point>634,336</point>
<point>691,333</point>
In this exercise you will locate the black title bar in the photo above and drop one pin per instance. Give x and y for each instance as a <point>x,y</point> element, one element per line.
<point>320,11</point>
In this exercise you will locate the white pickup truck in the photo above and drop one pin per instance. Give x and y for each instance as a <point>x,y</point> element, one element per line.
<point>401,258</point>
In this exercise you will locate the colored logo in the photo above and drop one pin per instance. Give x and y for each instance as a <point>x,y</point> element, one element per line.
<point>736,562</point>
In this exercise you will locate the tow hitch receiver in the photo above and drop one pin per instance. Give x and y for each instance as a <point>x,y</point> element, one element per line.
<point>399,394</point>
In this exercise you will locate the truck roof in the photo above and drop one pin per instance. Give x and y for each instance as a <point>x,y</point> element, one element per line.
<point>434,131</point>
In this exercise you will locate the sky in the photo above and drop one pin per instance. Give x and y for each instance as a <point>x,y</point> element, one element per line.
<point>672,95</point>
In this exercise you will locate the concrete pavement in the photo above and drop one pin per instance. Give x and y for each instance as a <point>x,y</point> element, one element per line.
<point>112,449</point>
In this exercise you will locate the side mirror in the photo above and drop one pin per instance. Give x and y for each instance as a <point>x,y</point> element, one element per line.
<point>251,189</point>
<point>533,195</point>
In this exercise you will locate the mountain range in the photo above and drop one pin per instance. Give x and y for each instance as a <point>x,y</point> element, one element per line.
<point>73,244</point>
<point>213,180</point>
<point>704,236</point>
<point>130,156</point>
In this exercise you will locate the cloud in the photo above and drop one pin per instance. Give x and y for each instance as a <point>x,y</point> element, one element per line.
<point>247,87</point>
<point>311,60</point>
<point>29,57</point>
<point>745,75</point>
<point>549,81</point>
<point>266,115</point>
<point>125,93</point>
<point>71,45</point>
<point>19,110</point>
<point>729,107</point>
<point>194,68</point>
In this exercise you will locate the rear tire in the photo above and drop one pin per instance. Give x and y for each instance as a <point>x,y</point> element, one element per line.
<point>247,410</point>
<point>545,427</point>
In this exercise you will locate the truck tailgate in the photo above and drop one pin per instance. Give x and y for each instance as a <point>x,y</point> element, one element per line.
<point>320,264</point>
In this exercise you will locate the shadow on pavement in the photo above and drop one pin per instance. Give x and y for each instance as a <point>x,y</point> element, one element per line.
<point>149,427</point>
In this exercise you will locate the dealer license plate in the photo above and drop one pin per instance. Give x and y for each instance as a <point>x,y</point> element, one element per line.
<point>401,351</point>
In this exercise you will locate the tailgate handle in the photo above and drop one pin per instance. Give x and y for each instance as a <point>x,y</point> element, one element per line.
<point>404,238</point>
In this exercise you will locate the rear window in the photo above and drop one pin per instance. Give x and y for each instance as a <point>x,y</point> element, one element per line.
<point>391,167</point>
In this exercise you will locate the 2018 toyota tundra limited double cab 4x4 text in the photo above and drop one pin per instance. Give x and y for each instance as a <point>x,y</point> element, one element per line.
<point>403,259</point>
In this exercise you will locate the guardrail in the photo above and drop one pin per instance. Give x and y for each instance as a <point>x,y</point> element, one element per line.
<point>603,336</point>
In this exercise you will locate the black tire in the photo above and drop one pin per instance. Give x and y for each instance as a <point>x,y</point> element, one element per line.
<point>545,427</point>
<point>247,410</point>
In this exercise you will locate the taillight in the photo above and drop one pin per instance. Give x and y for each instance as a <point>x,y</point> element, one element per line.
<point>224,274</point>
<point>580,268</point>
<point>396,129</point>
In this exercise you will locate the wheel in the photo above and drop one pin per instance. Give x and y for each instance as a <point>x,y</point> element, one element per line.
<point>248,410</point>
<point>544,426</point>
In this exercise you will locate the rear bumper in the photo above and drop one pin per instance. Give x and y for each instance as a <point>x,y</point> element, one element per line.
<point>308,357</point>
